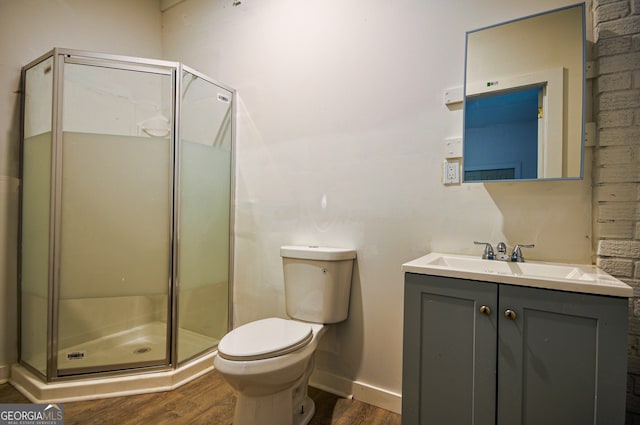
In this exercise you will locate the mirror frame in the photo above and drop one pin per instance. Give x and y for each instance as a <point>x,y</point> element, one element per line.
<point>467,85</point>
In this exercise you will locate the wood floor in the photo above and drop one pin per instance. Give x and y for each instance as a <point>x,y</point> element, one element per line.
<point>208,400</point>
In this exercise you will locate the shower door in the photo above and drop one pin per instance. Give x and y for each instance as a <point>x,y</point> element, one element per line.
<point>114,214</point>
<point>204,214</point>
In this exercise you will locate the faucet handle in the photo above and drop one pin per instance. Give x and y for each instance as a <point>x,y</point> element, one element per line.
<point>517,256</point>
<point>488,253</point>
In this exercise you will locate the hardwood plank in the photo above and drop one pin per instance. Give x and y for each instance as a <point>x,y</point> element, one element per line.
<point>8,394</point>
<point>208,400</point>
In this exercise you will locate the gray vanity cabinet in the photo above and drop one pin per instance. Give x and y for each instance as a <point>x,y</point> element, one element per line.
<point>449,357</point>
<point>484,353</point>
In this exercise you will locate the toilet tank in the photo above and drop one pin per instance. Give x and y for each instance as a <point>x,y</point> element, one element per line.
<point>317,282</point>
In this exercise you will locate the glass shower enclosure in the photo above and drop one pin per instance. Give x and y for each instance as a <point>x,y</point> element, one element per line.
<point>126,200</point>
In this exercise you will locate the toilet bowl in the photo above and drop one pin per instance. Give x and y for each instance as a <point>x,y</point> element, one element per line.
<point>268,362</point>
<point>271,385</point>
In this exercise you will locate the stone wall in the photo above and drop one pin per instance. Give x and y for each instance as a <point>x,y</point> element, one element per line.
<point>616,174</point>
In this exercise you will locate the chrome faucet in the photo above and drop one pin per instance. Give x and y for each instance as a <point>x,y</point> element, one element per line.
<point>488,253</point>
<point>516,255</point>
<point>502,252</point>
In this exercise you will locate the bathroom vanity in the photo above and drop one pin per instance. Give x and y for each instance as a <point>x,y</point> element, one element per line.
<point>493,342</point>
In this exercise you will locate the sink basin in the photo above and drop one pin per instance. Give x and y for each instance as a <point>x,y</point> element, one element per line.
<point>566,277</point>
<point>478,265</point>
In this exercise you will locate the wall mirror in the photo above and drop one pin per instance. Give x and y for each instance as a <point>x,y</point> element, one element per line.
<point>524,98</point>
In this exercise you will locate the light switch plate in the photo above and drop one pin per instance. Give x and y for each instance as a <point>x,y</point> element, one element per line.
<point>453,147</point>
<point>452,95</point>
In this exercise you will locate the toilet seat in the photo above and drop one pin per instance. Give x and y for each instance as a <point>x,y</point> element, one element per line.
<point>264,339</point>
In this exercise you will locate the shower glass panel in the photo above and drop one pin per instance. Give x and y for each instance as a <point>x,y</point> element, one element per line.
<point>116,202</point>
<point>205,193</point>
<point>36,190</point>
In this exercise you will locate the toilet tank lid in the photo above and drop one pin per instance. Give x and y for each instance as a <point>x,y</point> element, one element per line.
<point>311,252</point>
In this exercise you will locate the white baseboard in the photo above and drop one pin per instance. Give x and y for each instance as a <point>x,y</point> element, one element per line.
<point>379,397</point>
<point>5,373</point>
<point>330,383</point>
<point>369,394</point>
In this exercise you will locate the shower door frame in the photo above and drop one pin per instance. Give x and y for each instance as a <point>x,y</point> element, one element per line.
<point>177,146</point>
<point>127,63</point>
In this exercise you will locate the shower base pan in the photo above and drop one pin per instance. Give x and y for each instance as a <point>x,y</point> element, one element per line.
<point>143,343</point>
<point>143,339</point>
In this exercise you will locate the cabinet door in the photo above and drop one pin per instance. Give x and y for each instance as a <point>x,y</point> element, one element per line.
<point>449,351</point>
<point>562,359</point>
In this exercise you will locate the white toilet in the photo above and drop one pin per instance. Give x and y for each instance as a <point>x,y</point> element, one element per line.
<point>268,362</point>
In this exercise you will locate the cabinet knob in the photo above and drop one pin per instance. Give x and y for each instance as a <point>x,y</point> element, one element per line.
<point>485,310</point>
<point>510,314</point>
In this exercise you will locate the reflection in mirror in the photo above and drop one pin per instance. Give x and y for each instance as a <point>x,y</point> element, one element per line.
<point>524,98</point>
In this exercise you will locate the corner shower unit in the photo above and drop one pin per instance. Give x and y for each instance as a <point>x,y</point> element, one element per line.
<point>126,197</point>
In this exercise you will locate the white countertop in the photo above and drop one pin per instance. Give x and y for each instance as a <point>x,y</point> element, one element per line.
<point>581,278</point>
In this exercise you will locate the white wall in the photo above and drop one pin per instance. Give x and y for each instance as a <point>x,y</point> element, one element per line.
<point>29,28</point>
<point>340,132</point>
